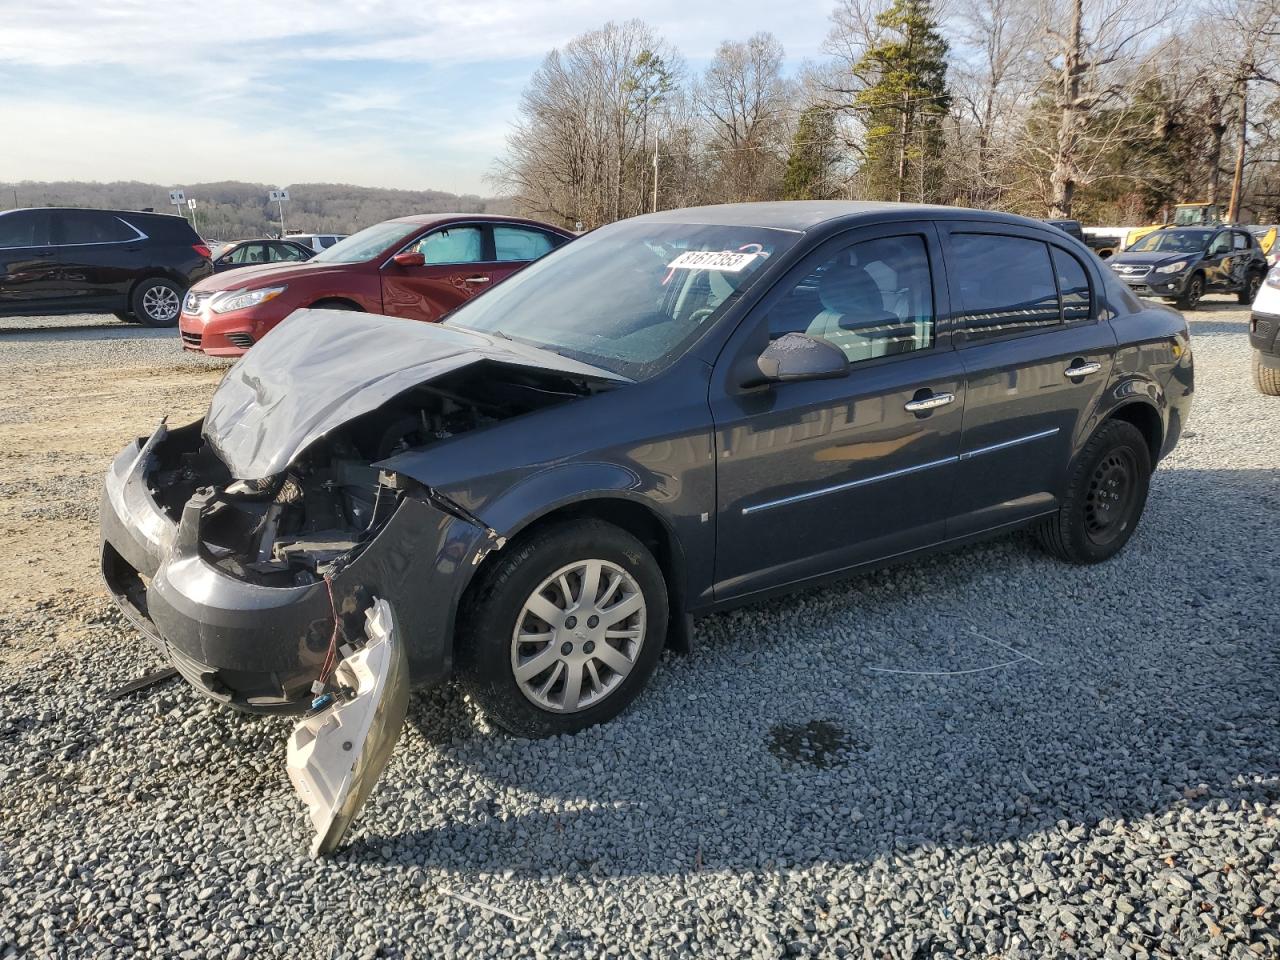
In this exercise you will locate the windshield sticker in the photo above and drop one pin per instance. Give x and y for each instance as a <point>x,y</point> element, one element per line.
<point>725,260</point>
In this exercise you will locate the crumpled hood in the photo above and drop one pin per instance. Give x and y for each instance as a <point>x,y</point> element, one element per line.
<point>320,369</point>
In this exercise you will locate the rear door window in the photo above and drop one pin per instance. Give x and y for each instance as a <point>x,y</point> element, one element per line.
<point>76,227</point>
<point>1073,286</point>
<point>248,253</point>
<point>1005,285</point>
<point>278,252</point>
<point>518,243</point>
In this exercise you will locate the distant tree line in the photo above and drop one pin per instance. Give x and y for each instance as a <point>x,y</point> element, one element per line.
<point>234,210</point>
<point>1104,110</point>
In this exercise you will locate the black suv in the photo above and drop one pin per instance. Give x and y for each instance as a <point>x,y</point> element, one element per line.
<point>1182,264</point>
<point>133,264</point>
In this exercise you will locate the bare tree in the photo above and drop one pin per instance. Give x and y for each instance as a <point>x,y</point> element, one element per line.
<point>992,78</point>
<point>1090,55</point>
<point>745,103</point>
<point>1246,33</point>
<point>579,151</point>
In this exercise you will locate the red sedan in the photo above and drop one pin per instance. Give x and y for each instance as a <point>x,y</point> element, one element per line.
<point>419,267</point>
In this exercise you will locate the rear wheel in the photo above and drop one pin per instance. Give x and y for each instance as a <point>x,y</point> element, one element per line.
<point>1251,287</point>
<point>1192,295</point>
<point>1266,378</point>
<point>1105,497</point>
<point>565,630</point>
<point>157,302</point>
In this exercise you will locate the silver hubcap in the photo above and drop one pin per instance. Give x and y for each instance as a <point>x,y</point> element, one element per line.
<point>578,636</point>
<point>161,303</point>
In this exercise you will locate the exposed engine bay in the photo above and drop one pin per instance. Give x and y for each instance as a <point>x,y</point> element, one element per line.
<point>301,525</point>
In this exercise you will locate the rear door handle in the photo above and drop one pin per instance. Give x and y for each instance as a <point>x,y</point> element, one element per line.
<point>476,280</point>
<point>929,403</point>
<point>1082,369</point>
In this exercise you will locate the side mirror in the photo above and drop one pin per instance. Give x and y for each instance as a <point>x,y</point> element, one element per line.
<point>409,259</point>
<point>798,356</point>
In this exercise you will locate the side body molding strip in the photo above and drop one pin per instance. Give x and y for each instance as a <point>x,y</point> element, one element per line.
<point>917,468</point>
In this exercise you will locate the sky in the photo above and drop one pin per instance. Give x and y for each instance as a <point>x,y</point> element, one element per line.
<point>413,94</point>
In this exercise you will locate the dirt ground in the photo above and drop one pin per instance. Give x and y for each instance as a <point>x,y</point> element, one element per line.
<point>60,426</point>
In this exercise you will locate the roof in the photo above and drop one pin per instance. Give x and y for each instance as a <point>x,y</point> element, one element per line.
<point>802,215</point>
<point>132,213</point>
<point>426,218</point>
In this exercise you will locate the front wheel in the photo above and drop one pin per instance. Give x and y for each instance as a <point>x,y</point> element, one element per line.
<point>564,631</point>
<point>1191,296</point>
<point>1105,497</point>
<point>1250,289</point>
<point>157,302</point>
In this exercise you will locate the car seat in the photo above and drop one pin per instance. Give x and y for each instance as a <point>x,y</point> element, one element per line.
<point>854,316</point>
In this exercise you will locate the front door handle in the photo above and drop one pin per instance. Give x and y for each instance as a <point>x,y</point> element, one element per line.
<point>476,280</point>
<point>1082,369</point>
<point>924,404</point>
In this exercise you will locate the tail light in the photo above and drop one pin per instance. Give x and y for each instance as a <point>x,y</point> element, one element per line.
<point>204,251</point>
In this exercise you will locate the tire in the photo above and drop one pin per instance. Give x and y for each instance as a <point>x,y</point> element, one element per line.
<point>1191,296</point>
<point>1112,473</point>
<point>156,302</point>
<point>335,305</point>
<point>1267,379</point>
<point>530,571</point>
<point>1251,286</point>
<point>126,317</point>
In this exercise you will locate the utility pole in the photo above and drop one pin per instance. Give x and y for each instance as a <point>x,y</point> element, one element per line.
<point>1237,172</point>
<point>655,173</point>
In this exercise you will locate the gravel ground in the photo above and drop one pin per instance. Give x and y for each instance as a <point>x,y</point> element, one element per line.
<point>986,754</point>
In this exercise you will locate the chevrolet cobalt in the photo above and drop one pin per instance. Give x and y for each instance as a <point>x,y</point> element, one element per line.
<point>670,415</point>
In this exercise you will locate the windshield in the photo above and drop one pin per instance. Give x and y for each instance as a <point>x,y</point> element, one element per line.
<point>629,297</point>
<point>1172,241</point>
<point>366,244</point>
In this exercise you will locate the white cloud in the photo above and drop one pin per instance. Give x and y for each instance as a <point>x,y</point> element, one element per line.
<point>61,142</point>
<point>224,89</point>
<point>137,33</point>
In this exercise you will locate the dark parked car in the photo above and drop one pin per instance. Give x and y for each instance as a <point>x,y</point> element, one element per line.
<point>673,414</point>
<point>1182,264</point>
<point>250,253</point>
<point>417,267</point>
<point>136,265</point>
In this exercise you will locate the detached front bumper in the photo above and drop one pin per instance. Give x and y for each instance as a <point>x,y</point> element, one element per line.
<point>255,647</point>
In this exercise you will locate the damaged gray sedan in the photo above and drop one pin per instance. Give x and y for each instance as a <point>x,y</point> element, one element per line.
<point>670,415</point>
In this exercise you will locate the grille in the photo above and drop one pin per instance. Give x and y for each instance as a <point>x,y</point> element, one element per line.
<point>1133,272</point>
<point>195,300</point>
<point>242,340</point>
<point>191,339</point>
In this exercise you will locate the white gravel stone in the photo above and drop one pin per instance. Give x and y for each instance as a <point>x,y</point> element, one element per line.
<point>1113,793</point>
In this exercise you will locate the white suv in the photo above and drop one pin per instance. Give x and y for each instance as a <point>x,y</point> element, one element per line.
<point>316,241</point>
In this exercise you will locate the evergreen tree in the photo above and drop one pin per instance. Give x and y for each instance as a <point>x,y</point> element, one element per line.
<point>904,104</point>
<point>814,152</point>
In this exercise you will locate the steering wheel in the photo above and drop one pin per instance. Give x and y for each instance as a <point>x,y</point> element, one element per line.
<point>701,314</point>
